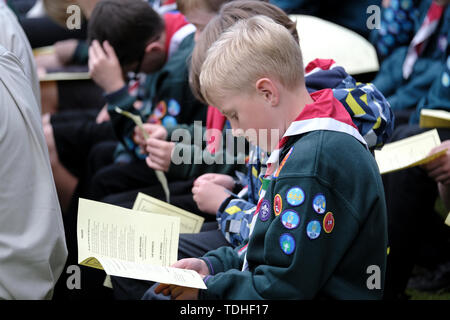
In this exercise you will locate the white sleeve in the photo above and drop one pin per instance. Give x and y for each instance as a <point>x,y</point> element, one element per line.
<point>14,39</point>
<point>32,242</point>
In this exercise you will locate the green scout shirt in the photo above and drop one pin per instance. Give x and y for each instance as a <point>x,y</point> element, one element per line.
<point>298,251</point>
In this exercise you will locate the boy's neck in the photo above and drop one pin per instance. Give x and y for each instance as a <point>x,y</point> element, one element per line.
<point>295,102</point>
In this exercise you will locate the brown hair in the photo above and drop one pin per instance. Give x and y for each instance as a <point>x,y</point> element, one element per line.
<point>227,16</point>
<point>211,5</point>
<point>128,25</point>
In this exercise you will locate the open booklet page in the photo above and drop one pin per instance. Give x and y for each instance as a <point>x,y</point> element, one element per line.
<point>408,152</point>
<point>131,244</point>
<point>430,118</point>
<point>189,222</point>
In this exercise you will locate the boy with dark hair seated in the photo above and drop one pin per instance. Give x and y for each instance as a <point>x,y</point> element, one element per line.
<point>158,45</point>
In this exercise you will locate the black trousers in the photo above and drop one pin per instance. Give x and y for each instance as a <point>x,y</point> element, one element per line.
<point>417,234</point>
<point>76,134</point>
<point>69,97</point>
<point>190,245</point>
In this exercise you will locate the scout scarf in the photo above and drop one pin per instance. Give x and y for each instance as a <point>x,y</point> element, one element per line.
<point>326,113</point>
<point>421,38</point>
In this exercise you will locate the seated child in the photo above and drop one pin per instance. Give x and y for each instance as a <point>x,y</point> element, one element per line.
<point>296,250</point>
<point>407,74</point>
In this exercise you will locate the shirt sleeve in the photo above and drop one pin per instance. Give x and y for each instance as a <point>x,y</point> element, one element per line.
<point>32,243</point>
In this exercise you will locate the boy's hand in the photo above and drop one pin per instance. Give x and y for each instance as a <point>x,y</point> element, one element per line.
<point>159,154</point>
<point>223,180</point>
<point>183,293</point>
<point>104,67</point>
<point>103,115</point>
<point>439,169</point>
<point>208,196</point>
<point>155,131</point>
<point>64,50</point>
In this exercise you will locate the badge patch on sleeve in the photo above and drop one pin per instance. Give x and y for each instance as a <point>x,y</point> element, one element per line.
<point>313,229</point>
<point>277,205</point>
<point>287,243</point>
<point>295,196</point>
<point>328,222</point>
<point>174,108</point>
<point>290,219</point>
<point>160,110</point>
<point>319,203</point>
<point>264,210</point>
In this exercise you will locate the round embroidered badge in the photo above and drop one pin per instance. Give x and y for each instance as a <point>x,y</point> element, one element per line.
<point>313,229</point>
<point>319,203</point>
<point>328,222</point>
<point>264,210</point>
<point>287,243</point>
<point>290,219</point>
<point>295,196</point>
<point>277,205</point>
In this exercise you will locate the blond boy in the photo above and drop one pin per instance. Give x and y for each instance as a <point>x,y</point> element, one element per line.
<point>319,229</point>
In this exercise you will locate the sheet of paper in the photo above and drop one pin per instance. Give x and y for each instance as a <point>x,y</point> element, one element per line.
<point>168,275</point>
<point>159,174</point>
<point>189,222</point>
<point>408,152</point>
<point>64,76</point>
<point>107,231</point>
<point>447,221</point>
<point>43,51</point>
<point>430,118</point>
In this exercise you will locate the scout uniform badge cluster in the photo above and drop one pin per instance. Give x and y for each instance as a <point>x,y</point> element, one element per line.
<point>310,119</point>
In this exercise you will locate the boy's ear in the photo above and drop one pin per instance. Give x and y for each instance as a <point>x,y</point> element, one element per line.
<point>154,46</point>
<point>268,90</point>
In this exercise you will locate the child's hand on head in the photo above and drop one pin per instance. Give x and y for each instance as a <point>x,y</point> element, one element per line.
<point>159,154</point>
<point>223,180</point>
<point>104,67</point>
<point>208,196</point>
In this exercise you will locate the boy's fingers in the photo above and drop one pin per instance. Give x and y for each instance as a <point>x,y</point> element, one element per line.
<point>161,287</point>
<point>109,50</point>
<point>435,164</point>
<point>98,49</point>
<point>153,165</point>
<point>176,291</point>
<point>157,143</point>
<point>157,153</point>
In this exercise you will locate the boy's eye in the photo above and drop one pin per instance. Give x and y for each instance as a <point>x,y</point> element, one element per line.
<point>234,116</point>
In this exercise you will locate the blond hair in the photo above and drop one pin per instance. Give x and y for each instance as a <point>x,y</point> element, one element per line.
<point>228,15</point>
<point>249,50</point>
